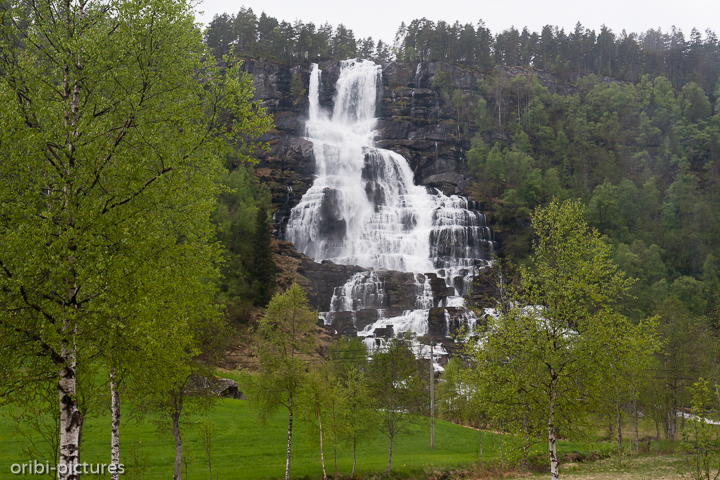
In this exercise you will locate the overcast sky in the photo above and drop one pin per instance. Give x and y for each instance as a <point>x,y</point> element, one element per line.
<point>381,18</point>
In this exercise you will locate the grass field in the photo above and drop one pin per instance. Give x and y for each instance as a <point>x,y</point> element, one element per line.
<point>243,449</point>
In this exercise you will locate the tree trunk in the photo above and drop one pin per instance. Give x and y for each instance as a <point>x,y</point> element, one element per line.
<point>175,416</point>
<point>502,456</point>
<point>432,393</point>
<point>335,453</point>
<point>630,431</point>
<point>657,437</point>
<point>387,470</point>
<point>554,466</point>
<point>289,441</point>
<point>619,433</point>
<point>352,475</point>
<point>322,455</point>
<point>674,420</point>
<point>482,465</point>
<point>70,417</point>
<point>637,436</point>
<point>682,418</point>
<point>114,425</point>
<point>526,447</point>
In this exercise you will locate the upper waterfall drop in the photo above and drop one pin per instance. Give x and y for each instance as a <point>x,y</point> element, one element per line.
<point>364,207</point>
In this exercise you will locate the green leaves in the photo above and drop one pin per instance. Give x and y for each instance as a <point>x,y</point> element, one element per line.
<point>557,345</point>
<point>114,124</point>
<point>284,343</point>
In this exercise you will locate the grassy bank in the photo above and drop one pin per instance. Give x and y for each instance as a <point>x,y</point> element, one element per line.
<point>242,449</point>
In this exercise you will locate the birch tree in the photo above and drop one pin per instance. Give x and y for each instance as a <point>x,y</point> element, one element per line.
<point>112,130</point>
<point>395,385</point>
<point>557,343</point>
<point>352,407</point>
<point>313,399</point>
<point>284,343</point>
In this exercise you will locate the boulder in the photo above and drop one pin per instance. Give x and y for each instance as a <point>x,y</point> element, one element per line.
<point>343,323</point>
<point>365,317</point>
<point>384,332</point>
<point>436,322</point>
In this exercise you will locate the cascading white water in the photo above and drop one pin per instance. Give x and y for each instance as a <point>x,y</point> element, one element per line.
<point>364,208</point>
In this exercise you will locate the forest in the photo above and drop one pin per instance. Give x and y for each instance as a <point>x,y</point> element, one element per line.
<point>137,247</point>
<point>624,56</point>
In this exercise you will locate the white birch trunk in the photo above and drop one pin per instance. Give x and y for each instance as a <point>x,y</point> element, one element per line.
<point>322,455</point>
<point>289,440</point>
<point>637,437</point>
<point>114,425</point>
<point>70,418</point>
<point>387,470</point>
<point>178,445</point>
<point>554,465</point>
<point>352,475</point>
<point>619,432</point>
<point>482,464</point>
<point>502,455</point>
<point>630,432</point>
<point>335,453</point>
<point>432,394</point>
<point>526,447</point>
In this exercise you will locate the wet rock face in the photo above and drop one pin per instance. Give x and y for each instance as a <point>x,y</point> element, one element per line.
<point>322,278</point>
<point>417,122</point>
<point>272,81</point>
<point>436,322</point>
<point>330,74</point>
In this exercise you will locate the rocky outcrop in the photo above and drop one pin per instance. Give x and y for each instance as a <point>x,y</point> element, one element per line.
<point>287,167</point>
<point>318,279</point>
<point>214,386</point>
<point>322,279</point>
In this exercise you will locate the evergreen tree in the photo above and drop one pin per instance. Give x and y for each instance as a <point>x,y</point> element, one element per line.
<point>263,266</point>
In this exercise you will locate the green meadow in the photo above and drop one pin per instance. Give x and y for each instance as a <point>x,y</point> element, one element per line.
<point>244,449</point>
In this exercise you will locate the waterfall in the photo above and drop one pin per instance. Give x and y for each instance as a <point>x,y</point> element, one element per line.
<point>365,209</point>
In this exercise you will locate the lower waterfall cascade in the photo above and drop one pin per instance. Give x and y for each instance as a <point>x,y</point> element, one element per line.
<point>364,209</point>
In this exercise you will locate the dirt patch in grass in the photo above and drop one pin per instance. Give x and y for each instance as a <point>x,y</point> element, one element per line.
<point>633,468</point>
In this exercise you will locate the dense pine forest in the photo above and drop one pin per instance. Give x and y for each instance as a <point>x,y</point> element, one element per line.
<point>623,56</point>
